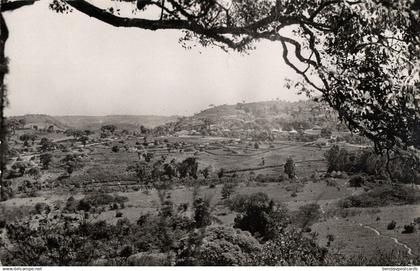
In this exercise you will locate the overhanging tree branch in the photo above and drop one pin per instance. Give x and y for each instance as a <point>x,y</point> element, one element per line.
<point>10,6</point>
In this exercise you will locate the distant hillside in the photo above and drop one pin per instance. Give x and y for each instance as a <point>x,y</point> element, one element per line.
<point>121,121</point>
<point>259,115</point>
<point>41,121</point>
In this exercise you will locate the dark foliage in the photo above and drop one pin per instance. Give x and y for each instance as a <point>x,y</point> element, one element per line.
<point>259,215</point>
<point>382,196</point>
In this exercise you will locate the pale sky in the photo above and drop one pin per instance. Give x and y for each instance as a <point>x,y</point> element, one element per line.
<point>75,65</point>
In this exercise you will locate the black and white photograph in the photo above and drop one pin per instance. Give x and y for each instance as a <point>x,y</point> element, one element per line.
<point>202,133</point>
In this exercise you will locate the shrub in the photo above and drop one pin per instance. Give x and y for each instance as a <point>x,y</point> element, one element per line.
<point>118,214</point>
<point>115,148</point>
<point>356,181</point>
<point>331,182</point>
<point>85,242</point>
<point>289,168</point>
<point>45,159</point>
<point>383,196</point>
<point>34,172</point>
<point>403,167</point>
<point>84,205</point>
<point>409,229</point>
<point>227,190</point>
<point>202,214</point>
<point>114,206</point>
<point>71,205</point>
<point>259,215</point>
<point>207,171</point>
<point>330,239</point>
<point>291,248</point>
<point>40,207</point>
<point>188,167</point>
<point>221,173</point>
<point>220,246</point>
<point>7,191</point>
<point>99,199</point>
<point>391,225</point>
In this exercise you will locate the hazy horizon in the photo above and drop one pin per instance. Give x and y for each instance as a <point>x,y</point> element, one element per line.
<point>75,65</point>
<point>132,115</point>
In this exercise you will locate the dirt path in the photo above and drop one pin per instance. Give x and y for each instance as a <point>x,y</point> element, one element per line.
<point>376,231</point>
<point>396,241</point>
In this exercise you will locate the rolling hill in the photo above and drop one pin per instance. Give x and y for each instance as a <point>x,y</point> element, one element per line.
<point>41,121</point>
<point>129,122</point>
<point>259,115</point>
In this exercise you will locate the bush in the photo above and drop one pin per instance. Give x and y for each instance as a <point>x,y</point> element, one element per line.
<point>85,242</point>
<point>391,225</point>
<point>118,214</point>
<point>40,207</point>
<point>258,215</point>
<point>99,199</point>
<point>84,205</point>
<point>409,229</point>
<point>403,167</point>
<point>291,248</point>
<point>383,196</point>
<point>202,214</point>
<point>114,206</point>
<point>227,190</point>
<point>330,239</point>
<point>34,172</point>
<point>331,182</point>
<point>221,173</point>
<point>45,159</point>
<point>115,148</point>
<point>188,167</point>
<point>289,168</point>
<point>71,205</point>
<point>356,181</point>
<point>220,246</point>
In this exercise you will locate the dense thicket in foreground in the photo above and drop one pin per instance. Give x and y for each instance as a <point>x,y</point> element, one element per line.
<point>172,237</point>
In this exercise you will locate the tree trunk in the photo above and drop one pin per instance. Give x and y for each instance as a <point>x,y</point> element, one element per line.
<point>4,34</point>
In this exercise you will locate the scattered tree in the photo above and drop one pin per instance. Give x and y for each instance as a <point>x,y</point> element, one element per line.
<point>45,159</point>
<point>289,168</point>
